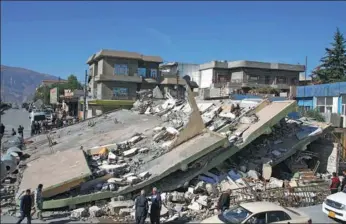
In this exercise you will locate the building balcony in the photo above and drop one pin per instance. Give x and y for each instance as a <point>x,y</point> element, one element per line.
<point>238,83</point>
<point>120,78</point>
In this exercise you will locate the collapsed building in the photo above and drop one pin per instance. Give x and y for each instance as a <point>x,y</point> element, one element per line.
<point>191,150</point>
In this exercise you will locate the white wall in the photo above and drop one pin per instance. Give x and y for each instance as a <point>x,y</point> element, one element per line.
<point>206,78</point>
<point>335,104</point>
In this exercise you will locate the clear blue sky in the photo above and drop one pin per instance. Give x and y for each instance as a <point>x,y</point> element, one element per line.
<point>57,37</point>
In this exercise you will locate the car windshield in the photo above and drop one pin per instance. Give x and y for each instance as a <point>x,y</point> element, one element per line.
<point>236,214</point>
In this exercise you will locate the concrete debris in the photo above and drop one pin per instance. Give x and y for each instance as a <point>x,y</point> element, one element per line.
<point>79,213</point>
<point>135,161</point>
<point>95,211</point>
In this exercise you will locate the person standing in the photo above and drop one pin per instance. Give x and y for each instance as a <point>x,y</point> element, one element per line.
<point>25,207</point>
<point>141,208</point>
<point>13,132</point>
<point>39,201</point>
<point>20,130</point>
<point>343,182</point>
<point>224,201</point>
<point>2,130</point>
<point>32,128</point>
<point>335,184</point>
<point>155,209</point>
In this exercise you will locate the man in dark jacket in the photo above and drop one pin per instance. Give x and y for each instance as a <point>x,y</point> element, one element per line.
<point>335,184</point>
<point>343,183</point>
<point>2,131</point>
<point>224,201</point>
<point>155,209</point>
<point>141,207</point>
<point>32,128</point>
<point>25,207</point>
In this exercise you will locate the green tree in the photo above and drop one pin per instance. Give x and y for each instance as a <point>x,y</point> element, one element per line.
<point>72,83</point>
<point>333,64</point>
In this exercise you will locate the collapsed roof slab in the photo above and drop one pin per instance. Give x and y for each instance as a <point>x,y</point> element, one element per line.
<point>179,158</point>
<point>268,116</point>
<point>58,172</point>
<point>294,144</point>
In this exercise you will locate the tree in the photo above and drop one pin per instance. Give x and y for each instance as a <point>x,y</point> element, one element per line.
<point>333,64</point>
<point>72,83</point>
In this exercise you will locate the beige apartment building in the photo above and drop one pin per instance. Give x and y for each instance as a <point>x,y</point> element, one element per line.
<point>248,74</point>
<point>117,75</point>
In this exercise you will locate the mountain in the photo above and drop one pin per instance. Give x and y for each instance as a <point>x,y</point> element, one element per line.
<point>19,84</point>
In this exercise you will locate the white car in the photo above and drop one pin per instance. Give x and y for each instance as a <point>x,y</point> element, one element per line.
<point>258,213</point>
<point>335,206</point>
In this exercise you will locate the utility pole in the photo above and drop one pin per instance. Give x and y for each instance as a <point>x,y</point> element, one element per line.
<point>306,67</point>
<point>85,94</point>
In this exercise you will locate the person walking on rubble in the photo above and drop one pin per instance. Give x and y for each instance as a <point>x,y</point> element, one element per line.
<point>39,201</point>
<point>224,201</point>
<point>141,208</point>
<point>156,204</point>
<point>25,207</point>
<point>335,184</point>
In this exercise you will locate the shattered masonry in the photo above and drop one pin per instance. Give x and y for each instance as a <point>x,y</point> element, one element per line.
<point>191,150</point>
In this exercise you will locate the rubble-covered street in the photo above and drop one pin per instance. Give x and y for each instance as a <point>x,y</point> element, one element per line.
<point>192,150</point>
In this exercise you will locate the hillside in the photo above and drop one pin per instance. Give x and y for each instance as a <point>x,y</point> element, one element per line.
<point>19,84</point>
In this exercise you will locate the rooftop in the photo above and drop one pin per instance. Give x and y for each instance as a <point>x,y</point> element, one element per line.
<point>252,64</point>
<point>122,54</point>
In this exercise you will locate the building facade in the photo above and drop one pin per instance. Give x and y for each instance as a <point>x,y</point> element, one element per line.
<point>50,82</point>
<point>326,98</point>
<point>117,75</point>
<point>249,74</point>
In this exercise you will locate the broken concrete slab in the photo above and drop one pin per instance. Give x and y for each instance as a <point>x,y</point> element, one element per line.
<point>95,211</point>
<point>58,172</point>
<point>79,213</point>
<point>130,152</point>
<point>115,206</point>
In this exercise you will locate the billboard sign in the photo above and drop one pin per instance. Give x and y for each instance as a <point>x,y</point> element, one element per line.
<point>54,95</point>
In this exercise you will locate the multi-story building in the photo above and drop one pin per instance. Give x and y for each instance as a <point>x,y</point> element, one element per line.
<point>118,74</point>
<point>249,74</point>
<point>50,82</point>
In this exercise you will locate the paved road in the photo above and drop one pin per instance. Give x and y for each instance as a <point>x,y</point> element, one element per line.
<point>12,118</point>
<point>316,214</point>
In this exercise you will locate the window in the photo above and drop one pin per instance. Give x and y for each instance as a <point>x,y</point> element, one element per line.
<point>343,105</point>
<point>236,214</point>
<point>120,93</point>
<point>277,216</point>
<point>281,80</point>
<point>121,70</point>
<point>257,219</point>
<point>253,78</point>
<point>142,72</point>
<point>324,104</point>
<point>153,73</point>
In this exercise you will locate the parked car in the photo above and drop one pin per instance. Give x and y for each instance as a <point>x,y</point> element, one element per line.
<point>260,212</point>
<point>335,206</point>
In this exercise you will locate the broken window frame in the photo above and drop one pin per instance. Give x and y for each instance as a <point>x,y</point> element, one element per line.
<point>322,104</point>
